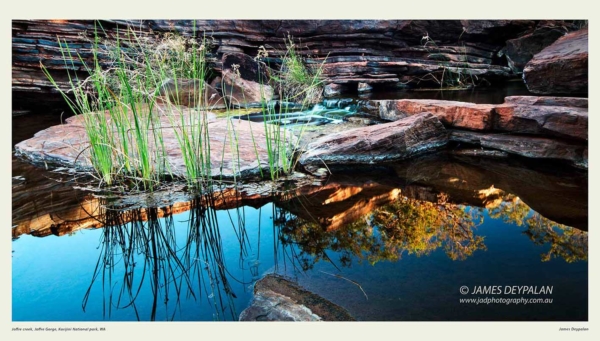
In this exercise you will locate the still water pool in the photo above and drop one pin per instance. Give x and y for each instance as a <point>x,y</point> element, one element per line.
<point>385,249</point>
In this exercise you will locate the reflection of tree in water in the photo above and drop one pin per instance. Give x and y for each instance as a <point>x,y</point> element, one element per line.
<point>420,227</point>
<point>511,210</point>
<point>404,225</point>
<point>565,242</point>
<point>141,250</point>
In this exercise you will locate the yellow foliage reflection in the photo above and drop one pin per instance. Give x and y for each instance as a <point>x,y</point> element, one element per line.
<point>565,242</point>
<point>402,226</point>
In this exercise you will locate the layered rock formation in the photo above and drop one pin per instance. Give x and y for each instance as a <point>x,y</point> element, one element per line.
<point>535,127</point>
<point>373,52</point>
<point>520,50</point>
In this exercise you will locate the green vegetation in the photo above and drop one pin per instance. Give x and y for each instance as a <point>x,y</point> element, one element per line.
<point>403,226</point>
<point>134,79</point>
<point>297,83</point>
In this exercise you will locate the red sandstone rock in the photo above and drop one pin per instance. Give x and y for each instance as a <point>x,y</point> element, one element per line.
<point>384,142</point>
<point>561,68</point>
<point>576,102</point>
<point>520,50</point>
<point>239,91</point>
<point>451,113</point>
<point>67,144</point>
<point>537,147</point>
<point>186,92</point>
<point>542,120</point>
<point>527,146</point>
<point>551,116</point>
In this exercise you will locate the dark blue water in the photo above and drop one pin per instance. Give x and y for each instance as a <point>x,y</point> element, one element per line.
<point>200,266</point>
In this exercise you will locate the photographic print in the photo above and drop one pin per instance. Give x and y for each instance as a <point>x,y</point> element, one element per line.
<point>299,170</point>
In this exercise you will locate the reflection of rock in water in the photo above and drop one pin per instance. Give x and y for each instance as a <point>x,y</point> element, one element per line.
<point>43,207</point>
<point>559,194</point>
<point>342,214</point>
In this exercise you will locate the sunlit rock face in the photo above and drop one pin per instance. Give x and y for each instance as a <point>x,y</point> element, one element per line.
<point>565,117</point>
<point>451,113</point>
<point>553,121</point>
<point>529,126</point>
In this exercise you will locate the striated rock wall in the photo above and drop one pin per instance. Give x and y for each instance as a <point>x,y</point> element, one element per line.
<point>384,52</point>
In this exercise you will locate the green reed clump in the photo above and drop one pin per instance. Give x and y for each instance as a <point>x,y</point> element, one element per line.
<point>119,107</point>
<point>298,83</point>
<point>135,79</point>
<point>119,118</point>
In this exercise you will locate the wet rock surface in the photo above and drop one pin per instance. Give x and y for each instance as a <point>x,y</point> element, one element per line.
<point>527,146</point>
<point>278,299</point>
<point>561,68</point>
<point>332,90</point>
<point>383,142</point>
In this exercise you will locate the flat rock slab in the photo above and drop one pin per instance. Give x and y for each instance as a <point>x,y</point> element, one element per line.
<point>561,68</point>
<point>278,299</point>
<point>575,102</point>
<point>527,146</point>
<point>452,113</point>
<point>550,116</point>
<point>379,143</point>
<point>237,147</point>
<point>570,122</point>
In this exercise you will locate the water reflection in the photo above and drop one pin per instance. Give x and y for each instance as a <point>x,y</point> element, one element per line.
<point>197,260</point>
<point>565,242</point>
<point>140,250</point>
<point>401,226</point>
